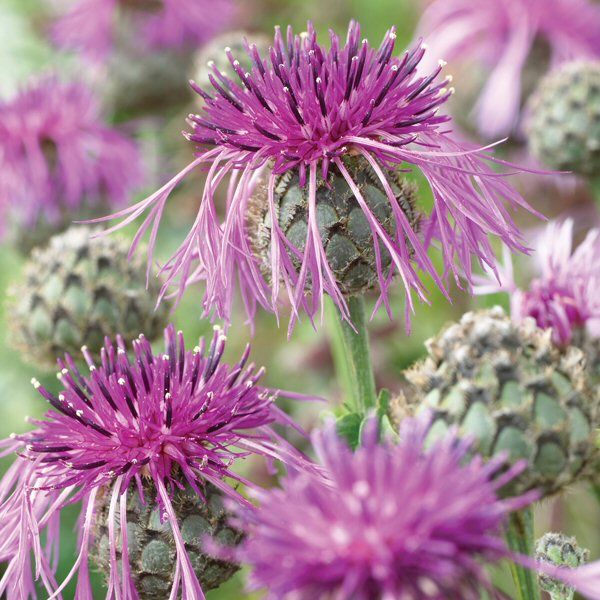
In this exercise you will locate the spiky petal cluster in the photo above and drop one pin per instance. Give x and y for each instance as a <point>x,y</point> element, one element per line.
<point>391,521</point>
<point>90,25</point>
<point>57,155</point>
<point>500,36</point>
<point>178,418</point>
<point>305,108</point>
<point>564,295</point>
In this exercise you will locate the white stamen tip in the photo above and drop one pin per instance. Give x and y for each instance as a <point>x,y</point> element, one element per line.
<point>35,383</point>
<point>442,62</point>
<point>424,46</point>
<point>121,381</point>
<point>227,49</point>
<point>79,413</point>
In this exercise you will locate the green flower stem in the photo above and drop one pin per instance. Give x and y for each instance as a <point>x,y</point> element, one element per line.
<point>596,490</point>
<point>352,357</point>
<point>519,536</point>
<point>595,187</point>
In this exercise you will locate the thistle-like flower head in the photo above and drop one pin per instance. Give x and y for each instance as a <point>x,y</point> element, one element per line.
<point>390,521</point>
<point>57,155</point>
<point>91,25</point>
<point>564,293</point>
<point>500,36</point>
<point>174,419</point>
<point>281,136</point>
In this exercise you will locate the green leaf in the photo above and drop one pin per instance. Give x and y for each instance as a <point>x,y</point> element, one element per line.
<point>383,403</point>
<point>349,427</point>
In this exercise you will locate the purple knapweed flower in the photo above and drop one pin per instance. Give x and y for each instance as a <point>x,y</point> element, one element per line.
<point>91,25</point>
<point>564,294</point>
<point>57,155</point>
<point>306,111</point>
<point>171,419</point>
<point>500,36</point>
<point>388,521</point>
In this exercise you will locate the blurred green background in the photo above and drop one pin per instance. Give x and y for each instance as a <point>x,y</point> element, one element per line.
<point>302,363</point>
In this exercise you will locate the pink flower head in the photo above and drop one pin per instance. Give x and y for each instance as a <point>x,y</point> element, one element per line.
<point>564,295</point>
<point>304,108</point>
<point>57,155</point>
<point>391,521</point>
<point>178,417</point>
<point>500,35</point>
<point>90,25</point>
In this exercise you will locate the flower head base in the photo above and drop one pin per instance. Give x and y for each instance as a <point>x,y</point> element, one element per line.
<point>565,293</point>
<point>562,551</point>
<point>77,291</point>
<point>300,112</point>
<point>365,532</point>
<point>502,36</point>
<point>174,420</point>
<point>357,262</point>
<point>563,122</point>
<point>91,25</point>
<point>57,157</point>
<point>510,389</point>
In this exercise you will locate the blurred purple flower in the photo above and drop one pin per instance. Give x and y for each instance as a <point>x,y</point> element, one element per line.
<point>392,521</point>
<point>565,293</point>
<point>90,25</point>
<point>57,155</point>
<point>500,36</point>
<point>306,108</point>
<point>178,417</point>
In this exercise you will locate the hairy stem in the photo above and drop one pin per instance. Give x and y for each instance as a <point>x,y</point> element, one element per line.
<point>519,536</point>
<point>352,357</point>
